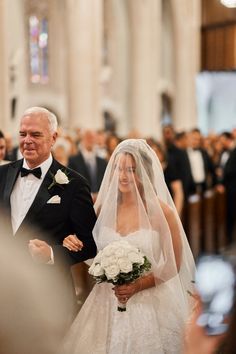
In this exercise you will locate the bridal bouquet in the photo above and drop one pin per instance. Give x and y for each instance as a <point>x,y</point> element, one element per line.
<point>119,263</point>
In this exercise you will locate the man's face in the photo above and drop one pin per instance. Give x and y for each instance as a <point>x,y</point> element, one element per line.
<point>195,140</point>
<point>2,148</point>
<point>36,139</point>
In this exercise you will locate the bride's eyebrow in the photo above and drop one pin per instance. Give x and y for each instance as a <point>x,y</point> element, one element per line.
<point>131,167</point>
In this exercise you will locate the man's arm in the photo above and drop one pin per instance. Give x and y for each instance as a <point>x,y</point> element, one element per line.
<point>80,221</point>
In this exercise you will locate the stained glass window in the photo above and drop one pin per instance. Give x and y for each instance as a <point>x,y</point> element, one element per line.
<point>38,49</point>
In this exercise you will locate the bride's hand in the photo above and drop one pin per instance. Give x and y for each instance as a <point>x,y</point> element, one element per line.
<point>73,243</point>
<point>124,292</point>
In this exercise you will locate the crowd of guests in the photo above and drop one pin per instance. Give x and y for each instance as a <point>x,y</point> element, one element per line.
<point>192,163</point>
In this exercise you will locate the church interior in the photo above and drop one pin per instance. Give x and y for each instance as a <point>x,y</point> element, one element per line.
<point>159,70</point>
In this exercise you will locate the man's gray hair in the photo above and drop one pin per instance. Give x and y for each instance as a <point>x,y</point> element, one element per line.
<point>52,119</point>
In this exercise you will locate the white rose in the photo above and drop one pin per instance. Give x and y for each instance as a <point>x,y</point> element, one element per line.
<point>135,257</point>
<point>61,177</point>
<point>107,261</point>
<point>112,271</point>
<point>120,252</point>
<point>98,270</point>
<point>91,268</point>
<point>107,251</point>
<point>125,265</point>
<point>98,257</point>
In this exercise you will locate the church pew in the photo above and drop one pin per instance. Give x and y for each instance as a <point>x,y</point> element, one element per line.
<point>193,223</point>
<point>220,220</point>
<point>208,222</point>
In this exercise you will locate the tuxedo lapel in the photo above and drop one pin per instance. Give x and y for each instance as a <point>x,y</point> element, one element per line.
<point>11,177</point>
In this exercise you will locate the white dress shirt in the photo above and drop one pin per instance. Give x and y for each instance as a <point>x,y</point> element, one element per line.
<point>89,157</point>
<point>224,158</point>
<point>24,193</point>
<point>197,165</point>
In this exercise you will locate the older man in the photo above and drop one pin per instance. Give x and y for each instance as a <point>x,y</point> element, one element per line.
<point>53,200</point>
<point>2,149</point>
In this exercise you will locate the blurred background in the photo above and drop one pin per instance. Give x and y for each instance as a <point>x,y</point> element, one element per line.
<point>123,64</point>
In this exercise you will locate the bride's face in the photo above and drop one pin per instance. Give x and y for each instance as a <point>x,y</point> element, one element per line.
<point>126,168</point>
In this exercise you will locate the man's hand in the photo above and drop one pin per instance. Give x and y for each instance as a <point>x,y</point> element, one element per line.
<point>220,188</point>
<point>40,251</point>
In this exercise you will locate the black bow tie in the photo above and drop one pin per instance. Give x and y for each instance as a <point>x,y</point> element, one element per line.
<point>35,171</point>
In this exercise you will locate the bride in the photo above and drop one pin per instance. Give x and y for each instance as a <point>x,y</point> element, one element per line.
<point>134,204</point>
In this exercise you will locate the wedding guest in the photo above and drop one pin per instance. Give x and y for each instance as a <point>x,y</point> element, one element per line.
<point>134,204</point>
<point>12,152</point>
<point>196,339</point>
<point>61,150</point>
<point>100,143</point>
<point>177,158</point>
<point>229,178</point>
<point>181,140</point>
<point>227,142</point>
<point>202,173</point>
<point>172,178</point>
<point>2,149</point>
<point>54,200</point>
<point>211,328</point>
<point>112,141</point>
<point>87,163</point>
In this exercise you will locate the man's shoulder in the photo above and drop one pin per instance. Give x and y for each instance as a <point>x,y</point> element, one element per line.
<point>75,174</point>
<point>72,174</point>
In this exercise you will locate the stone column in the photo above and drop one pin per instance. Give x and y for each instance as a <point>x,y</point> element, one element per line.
<point>84,43</point>
<point>145,62</point>
<point>116,85</point>
<point>187,44</point>
<point>4,70</point>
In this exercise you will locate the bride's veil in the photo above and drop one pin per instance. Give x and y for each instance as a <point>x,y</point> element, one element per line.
<point>135,169</point>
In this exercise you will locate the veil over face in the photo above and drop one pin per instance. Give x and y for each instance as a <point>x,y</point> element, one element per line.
<point>134,197</point>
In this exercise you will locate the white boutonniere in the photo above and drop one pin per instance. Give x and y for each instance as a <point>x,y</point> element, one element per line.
<point>59,179</point>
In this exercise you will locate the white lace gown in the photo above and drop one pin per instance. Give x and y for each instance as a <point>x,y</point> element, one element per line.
<point>152,324</point>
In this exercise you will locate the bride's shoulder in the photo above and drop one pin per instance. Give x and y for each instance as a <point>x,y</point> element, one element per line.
<point>164,208</point>
<point>167,210</point>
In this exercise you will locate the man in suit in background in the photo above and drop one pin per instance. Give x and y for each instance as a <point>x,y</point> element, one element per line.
<point>201,170</point>
<point>53,200</point>
<point>2,149</point>
<point>229,186</point>
<point>87,163</point>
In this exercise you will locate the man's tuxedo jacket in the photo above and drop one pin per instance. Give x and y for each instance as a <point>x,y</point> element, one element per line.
<point>53,222</point>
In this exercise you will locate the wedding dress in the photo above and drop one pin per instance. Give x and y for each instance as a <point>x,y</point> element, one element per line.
<point>134,196</point>
<point>152,324</point>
